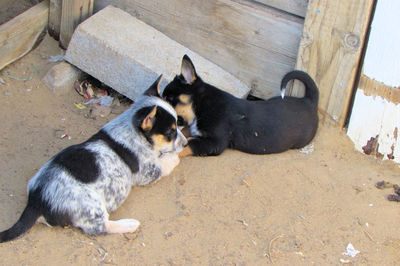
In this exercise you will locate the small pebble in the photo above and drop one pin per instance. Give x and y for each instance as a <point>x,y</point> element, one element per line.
<point>168,235</point>
<point>7,93</point>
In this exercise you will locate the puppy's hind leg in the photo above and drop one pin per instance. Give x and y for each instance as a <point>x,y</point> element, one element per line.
<point>93,218</point>
<point>121,226</point>
<point>96,221</point>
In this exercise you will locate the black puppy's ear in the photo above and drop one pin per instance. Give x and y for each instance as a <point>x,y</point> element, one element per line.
<point>187,70</point>
<point>154,89</point>
<point>148,121</point>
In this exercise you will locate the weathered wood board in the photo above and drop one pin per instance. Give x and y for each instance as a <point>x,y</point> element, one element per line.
<point>330,51</point>
<point>20,34</point>
<point>296,7</point>
<point>73,12</point>
<point>256,44</point>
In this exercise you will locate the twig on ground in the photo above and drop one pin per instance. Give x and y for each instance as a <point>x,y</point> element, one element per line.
<point>268,254</point>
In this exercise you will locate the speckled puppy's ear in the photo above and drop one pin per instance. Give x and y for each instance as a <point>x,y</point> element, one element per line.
<point>188,71</point>
<point>148,121</point>
<point>154,89</point>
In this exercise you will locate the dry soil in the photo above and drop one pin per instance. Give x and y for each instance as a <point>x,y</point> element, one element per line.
<point>234,209</point>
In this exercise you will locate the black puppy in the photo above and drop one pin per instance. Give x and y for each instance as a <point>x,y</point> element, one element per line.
<point>218,120</point>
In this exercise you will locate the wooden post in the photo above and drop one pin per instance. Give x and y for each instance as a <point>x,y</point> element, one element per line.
<point>20,34</point>
<point>73,13</point>
<point>55,18</point>
<point>330,51</point>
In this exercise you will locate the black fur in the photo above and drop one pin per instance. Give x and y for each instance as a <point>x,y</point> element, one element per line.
<point>36,207</point>
<point>258,127</point>
<point>79,162</point>
<point>24,223</point>
<point>153,90</point>
<point>52,217</point>
<point>125,154</point>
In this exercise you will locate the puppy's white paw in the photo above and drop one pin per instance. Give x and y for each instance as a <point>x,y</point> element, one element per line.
<point>122,226</point>
<point>175,160</point>
<point>169,163</point>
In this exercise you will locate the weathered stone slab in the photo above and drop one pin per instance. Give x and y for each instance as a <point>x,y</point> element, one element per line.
<point>128,55</point>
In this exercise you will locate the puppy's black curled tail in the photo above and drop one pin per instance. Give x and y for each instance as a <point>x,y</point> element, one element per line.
<point>312,92</point>
<point>25,222</point>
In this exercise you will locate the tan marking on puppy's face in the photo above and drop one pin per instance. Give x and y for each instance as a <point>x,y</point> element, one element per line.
<point>186,112</point>
<point>185,99</point>
<point>185,108</point>
<point>161,142</point>
<point>168,140</point>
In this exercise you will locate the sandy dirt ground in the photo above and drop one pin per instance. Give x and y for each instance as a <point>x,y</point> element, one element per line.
<point>234,209</point>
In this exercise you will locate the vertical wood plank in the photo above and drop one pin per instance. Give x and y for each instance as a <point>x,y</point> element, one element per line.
<point>55,18</point>
<point>73,13</point>
<point>330,51</point>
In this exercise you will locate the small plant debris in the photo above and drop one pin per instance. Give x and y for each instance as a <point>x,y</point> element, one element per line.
<point>395,197</point>
<point>383,184</point>
<point>392,197</point>
<point>101,100</point>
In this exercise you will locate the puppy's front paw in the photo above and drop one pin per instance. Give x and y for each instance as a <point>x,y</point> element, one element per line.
<point>175,160</point>
<point>169,162</point>
<point>122,226</point>
<point>187,151</point>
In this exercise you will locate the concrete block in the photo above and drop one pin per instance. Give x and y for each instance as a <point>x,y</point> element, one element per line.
<point>61,77</point>
<point>128,55</point>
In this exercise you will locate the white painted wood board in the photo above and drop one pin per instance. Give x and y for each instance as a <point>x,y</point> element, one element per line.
<point>382,59</point>
<point>377,118</point>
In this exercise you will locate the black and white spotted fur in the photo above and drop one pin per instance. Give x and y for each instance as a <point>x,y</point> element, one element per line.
<point>83,183</point>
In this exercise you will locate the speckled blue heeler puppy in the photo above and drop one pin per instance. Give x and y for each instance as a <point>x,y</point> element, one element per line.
<point>83,183</point>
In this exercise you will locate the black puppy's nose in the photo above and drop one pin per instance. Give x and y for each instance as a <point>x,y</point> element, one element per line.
<point>181,121</point>
<point>170,99</point>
